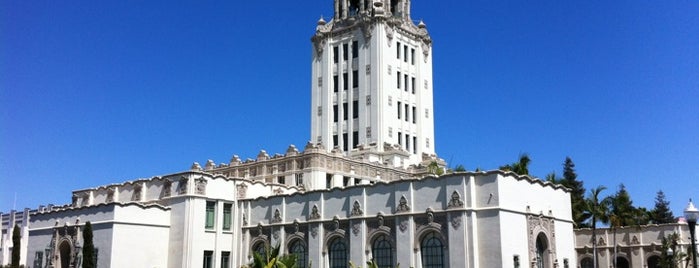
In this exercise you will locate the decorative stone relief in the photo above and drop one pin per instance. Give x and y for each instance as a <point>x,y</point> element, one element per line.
<point>245,218</point>
<point>430,216</point>
<point>367,28</point>
<point>403,225</point>
<point>110,195</point>
<point>85,199</point>
<point>540,224</point>
<point>356,227</point>
<point>167,188</point>
<point>335,224</point>
<point>242,190</point>
<point>389,34</point>
<point>314,213</point>
<point>380,219</point>
<point>425,50</point>
<point>634,241</point>
<point>200,185</point>
<point>455,201</point>
<point>74,200</point>
<point>275,234</point>
<point>403,205</point>
<point>601,242</point>
<point>277,216</point>
<point>314,231</point>
<point>182,186</point>
<point>357,209</point>
<point>455,221</point>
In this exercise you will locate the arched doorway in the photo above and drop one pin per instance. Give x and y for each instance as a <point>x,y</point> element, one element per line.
<point>541,249</point>
<point>64,251</point>
<point>654,261</point>
<point>622,262</point>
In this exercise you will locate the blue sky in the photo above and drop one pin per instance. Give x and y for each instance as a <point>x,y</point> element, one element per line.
<point>99,92</point>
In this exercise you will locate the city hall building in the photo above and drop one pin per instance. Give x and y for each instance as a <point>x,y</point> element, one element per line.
<point>363,187</point>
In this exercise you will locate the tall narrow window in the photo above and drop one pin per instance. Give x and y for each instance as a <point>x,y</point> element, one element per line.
<point>210,214</point>
<point>397,50</point>
<point>414,145</point>
<point>355,49</point>
<point>298,248</point>
<point>335,113</point>
<point>414,115</point>
<point>382,250</point>
<point>398,79</point>
<point>405,84</point>
<point>355,109</point>
<point>355,79</point>
<point>336,55</point>
<point>344,142</point>
<point>335,83</point>
<point>405,53</point>
<point>225,259</point>
<point>328,181</point>
<point>406,112</point>
<point>412,56</point>
<point>407,142</point>
<point>355,139</point>
<point>344,111</point>
<point>208,259</point>
<point>335,142</point>
<point>400,138</point>
<point>345,81</point>
<point>432,251</point>
<point>345,51</point>
<point>337,253</point>
<point>412,84</point>
<point>227,212</point>
<point>400,109</point>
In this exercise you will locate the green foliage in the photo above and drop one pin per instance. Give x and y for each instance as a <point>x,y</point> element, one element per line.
<point>435,169</point>
<point>459,168</point>
<point>273,259</point>
<point>661,213</point>
<point>596,209</point>
<point>16,246</point>
<point>88,247</point>
<point>577,192</point>
<point>370,264</point>
<point>671,242</point>
<point>520,167</point>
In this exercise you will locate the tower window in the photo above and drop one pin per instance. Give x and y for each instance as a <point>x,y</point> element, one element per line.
<point>355,139</point>
<point>335,113</point>
<point>328,181</point>
<point>355,109</point>
<point>406,112</point>
<point>344,111</point>
<point>336,55</point>
<point>397,50</point>
<point>405,82</point>
<point>398,78</point>
<point>414,145</point>
<point>407,142</point>
<point>355,79</point>
<point>344,81</point>
<point>354,7</point>
<point>414,114</point>
<point>405,53</point>
<point>345,51</point>
<point>335,83</point>
<point>355,49</point>
<point>412,56</point>
<point>400,138</point>
<point>412,84</point>
<point>344,142</point>
<point>399,109</point>
<point>335,142</point>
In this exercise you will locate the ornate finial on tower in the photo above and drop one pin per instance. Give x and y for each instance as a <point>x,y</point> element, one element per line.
<point>321,21</point>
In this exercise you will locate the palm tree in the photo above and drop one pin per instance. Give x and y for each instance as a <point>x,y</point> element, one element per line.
<point>272,259</point>
<point>520,167</point>
<point>598,210</point>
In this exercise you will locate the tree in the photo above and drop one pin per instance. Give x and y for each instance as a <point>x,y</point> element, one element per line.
<point>459,168</point>
<point>622,208</point>
<point>670,243</point>
<point>273,259</point>
<point>16,246</point>
<point>88,247</point>
<point>520,167</point>
<point>661,213</point>
<point>577,192</point>
<point>596,209</point>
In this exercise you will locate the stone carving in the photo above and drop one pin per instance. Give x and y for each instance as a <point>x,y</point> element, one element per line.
<point>242,190</point>
<point>430,216</point>
<point>381,220</point>
<point>110,195</point>
<point>425,50</point>
<point>455,201</point>
<point>167,188</point>
<point>278,191</point>
<point>634,241</point>
<point>314,231</point>
<point>403,205</point>
<point>367,28</point>
<point>85,199</point>
<point>200,185</point>
<point>357,209</point>
<point>137,189</point>
<point>314,213</point>
<point>296,226</point>
<point>403,225</point>
<point>455,221</point>
<point>277,216</point>
<point>275,234</point>
<point>182,186</point>
<point>74,200</point>
<point>245,218</point>
<point>601,242</point>
<point>356,227</point>
<point>540,224</point>
<point>336,224</point>
<point>389,34</point>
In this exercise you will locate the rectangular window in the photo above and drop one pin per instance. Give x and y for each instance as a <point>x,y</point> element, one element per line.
<point>335,83</point>
<point>407,142</point>
<point>335,113</point>
<point>405,53</point>
<point>345,81</point>
<point>335,141</point>
<point>398,78</point>
<point>355,109</point>
<point>355,49</point>
<point>345,51</point>
<point>210,214</point>
<point>355,79</point>
<point>405,84</point>
<point>400,111</point>
<point>336,55</point>
<point>208,259</point>
<point>299,179</point>
<point>427,142</point>
<point>355,139</point>
<point>328,181</point>
<point>357,181</point>
<point>414,145</point>
<point>227,216</point>
<point>344,111</point>
<point>400,138</point>
<point>412,84</point>
<point>345,181</point>
<point>414,115</point>
<point>281,180</point>
<point>225,259</point>
<point>412,56</point>
<point>344,142</point>
<point>407,111</point>
<point>397,50</point>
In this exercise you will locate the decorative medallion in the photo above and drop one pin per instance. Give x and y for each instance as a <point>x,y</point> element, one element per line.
<point>277,216</point>
<point>357,209</point>
<point>403,205</point>
<point>200,185</point>
<point>455,201</point>
<point>314,213</point>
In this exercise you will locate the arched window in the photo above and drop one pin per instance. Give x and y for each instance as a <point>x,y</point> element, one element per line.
<point>382,251</point>
<point>541,247</point>
<point>432,250</point>
<point>298,248</point>
<point>259,247</point>
<point>622,262</point>
<point>654,261</point>
<point>586,263</point>
<point>337,253</point>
